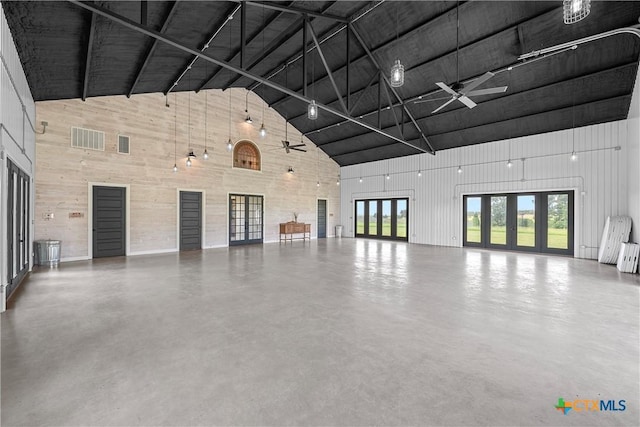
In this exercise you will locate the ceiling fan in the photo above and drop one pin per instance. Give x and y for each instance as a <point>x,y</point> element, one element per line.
<point>459,91</point>
<point>287,145</point>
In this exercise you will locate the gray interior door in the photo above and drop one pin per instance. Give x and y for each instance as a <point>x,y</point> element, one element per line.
<point>109,221</point>
<point>322,219</point>
<point>190,220</point>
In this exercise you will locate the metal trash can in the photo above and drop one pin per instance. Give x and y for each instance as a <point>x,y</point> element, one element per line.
<point>338,231</point>
<point>47,252</point>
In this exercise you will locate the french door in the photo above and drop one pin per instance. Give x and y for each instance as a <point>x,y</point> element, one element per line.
<point>382,218</point>
<point>532,222</point>
<point>18,226</point>
<point>245,219</point>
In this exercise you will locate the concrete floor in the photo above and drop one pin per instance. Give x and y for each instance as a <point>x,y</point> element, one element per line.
<point>332,332</point>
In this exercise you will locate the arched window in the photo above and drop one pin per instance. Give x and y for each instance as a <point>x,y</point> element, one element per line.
<point>246,156</point>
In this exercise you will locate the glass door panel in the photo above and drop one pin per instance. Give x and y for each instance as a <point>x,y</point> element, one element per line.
<point>526,221</point>
<point>386,218</point>
<point>401,218</point>
<point>373,218</point>
<point>255,217</point>
<point>498,230</point>
<point>473,217</point>
<point>558,221</point>
<point>360,217</point>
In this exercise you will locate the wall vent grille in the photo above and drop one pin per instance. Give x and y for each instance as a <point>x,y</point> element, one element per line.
<point>87,139</point>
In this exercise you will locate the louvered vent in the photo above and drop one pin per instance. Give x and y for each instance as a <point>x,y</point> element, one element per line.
<point>123,144</point>
<point>87,139</point>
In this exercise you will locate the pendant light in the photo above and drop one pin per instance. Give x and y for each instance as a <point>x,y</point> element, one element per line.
<point>312,108</point>
<point>263,130</point>
<point>246,109</point>
<point>229,143</point>
<point>175,133</point>
<point>459,169</point>
<point>575,10</point>
<point>397,71</point>
<point>574,156</point>
<point>205,154</point>
<point>189,151</point>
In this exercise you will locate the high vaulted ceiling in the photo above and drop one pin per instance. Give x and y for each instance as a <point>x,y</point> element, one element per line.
<point>72,49</point>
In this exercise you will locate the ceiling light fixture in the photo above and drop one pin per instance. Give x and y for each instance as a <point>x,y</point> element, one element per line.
<point>263,130</point>
<point>360,180</point>
<point>338,181</point>
<point>388,176</point>
<point>397,71</point>
<point>290,169</point>
<point>419,174</point>
<point>397,74</point>
<point>189,150</point>
<point>574,156</point>
<point>229,143</point>
<point>318,184</point>
<point>312,110</point>
<point>575,10</point>
<point>459,169</point>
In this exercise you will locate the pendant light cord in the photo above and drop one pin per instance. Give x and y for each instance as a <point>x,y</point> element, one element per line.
<point>458,42</point>
<point>206,104</point>
<point>573,106</point>
<point>189,112</point>
<point>175,128</point>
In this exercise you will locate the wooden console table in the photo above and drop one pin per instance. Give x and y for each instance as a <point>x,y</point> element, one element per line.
<point>289,229</point>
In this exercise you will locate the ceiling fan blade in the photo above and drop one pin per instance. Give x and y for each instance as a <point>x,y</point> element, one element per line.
<point>466,101</point>
<point>286,149</point>
<point>297,145</point>
<point>477,82</point>
<point>488,91</point>
<point>285,144</point>
<point>420,101</point>
<point>443,105</point>
<point>446,88</point>
<point>298,149</point>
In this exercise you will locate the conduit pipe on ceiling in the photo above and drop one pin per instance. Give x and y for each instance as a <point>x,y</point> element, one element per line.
<point>634,29</point>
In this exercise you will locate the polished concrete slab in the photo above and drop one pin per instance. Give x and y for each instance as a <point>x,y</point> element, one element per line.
<point>332,332</point>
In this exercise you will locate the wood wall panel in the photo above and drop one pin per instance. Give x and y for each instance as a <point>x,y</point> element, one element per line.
<point>63,172</point>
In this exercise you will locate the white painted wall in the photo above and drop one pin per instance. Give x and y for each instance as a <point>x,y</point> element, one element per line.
<point>17,138</point>
<point>599,177</point>
<point>633,161</point>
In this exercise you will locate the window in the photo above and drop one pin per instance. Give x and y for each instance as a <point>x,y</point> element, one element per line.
<point>246,156</point>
